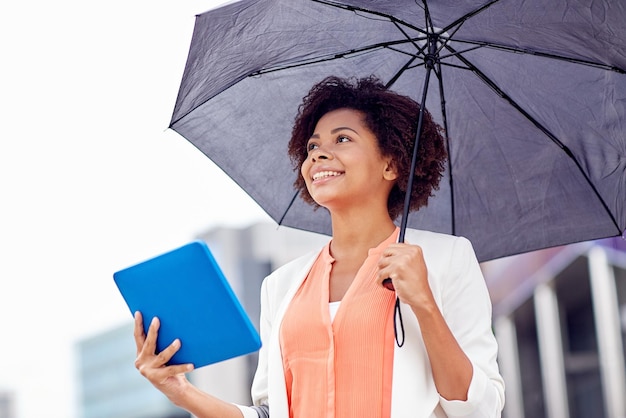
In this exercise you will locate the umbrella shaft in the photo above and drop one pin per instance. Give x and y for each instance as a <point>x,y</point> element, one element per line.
<point>409,187</point>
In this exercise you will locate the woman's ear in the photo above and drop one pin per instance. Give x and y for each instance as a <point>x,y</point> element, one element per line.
<point>390,172</point>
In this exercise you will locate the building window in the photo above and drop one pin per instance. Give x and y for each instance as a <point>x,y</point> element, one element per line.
<point>529,362</point>
<point>620,286</point>
<point>580,344</point>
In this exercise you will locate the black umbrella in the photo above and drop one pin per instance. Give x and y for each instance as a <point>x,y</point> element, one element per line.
<point>532,96</point>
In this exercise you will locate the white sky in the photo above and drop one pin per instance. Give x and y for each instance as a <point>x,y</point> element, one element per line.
<point>91,179</point>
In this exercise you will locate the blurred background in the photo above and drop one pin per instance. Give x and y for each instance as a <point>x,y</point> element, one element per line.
<point>559,318</point>
<point>92,181</point>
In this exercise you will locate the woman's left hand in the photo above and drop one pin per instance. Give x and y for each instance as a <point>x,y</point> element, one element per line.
<point>404,265</point>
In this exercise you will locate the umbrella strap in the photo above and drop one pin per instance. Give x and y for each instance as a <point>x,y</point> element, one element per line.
<point>397,318</point>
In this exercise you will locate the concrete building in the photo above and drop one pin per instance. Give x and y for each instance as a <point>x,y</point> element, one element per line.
<point>110,386</point>
<point>560,320</point>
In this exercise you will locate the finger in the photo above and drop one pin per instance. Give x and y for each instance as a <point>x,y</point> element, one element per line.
<point>384,274</point>
<point>182,368</point>
<point>139,334</point>
<point>166,355</point>
<point>385,260</point>
<point>151,338</point>
<point>394,247</point>
<point>158,375</point>
<point>387,252</point>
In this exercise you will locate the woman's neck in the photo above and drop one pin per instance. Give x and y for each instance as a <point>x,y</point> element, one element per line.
<point>354,236</point>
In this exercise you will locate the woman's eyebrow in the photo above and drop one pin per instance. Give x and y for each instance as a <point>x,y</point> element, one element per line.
<point>335,130</point>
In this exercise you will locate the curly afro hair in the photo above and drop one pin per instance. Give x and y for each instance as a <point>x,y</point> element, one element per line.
<point>393,119</point>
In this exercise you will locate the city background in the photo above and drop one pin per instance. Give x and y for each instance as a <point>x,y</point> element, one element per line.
<point>91,179</point>
<point>559,317</point>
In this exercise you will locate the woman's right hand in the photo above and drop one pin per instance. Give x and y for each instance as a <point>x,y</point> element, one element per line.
<point>170,380</point>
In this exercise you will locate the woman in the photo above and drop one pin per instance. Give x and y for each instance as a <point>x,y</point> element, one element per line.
<point>327,322</point>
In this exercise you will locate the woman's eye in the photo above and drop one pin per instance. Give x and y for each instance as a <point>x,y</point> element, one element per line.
<point>343,138</point>
<point>311,146</point>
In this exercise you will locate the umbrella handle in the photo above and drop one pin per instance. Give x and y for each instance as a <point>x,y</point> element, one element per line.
<point>388,284</point>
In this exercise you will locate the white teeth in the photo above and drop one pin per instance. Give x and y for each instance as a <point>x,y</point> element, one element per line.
<point>323,174</point>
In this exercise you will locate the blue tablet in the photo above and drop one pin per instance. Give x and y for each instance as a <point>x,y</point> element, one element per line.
<point>186,289</point>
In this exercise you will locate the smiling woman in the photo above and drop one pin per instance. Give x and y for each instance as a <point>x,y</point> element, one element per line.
<point>327,321</point>
<point>342,143</point>
<point>392,120</point>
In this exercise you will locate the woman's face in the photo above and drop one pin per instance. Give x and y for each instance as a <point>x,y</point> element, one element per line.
<point>344,166</point>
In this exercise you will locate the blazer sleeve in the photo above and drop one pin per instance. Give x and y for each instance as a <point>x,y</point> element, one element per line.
<point>466,306</point>
<point>259,388</point>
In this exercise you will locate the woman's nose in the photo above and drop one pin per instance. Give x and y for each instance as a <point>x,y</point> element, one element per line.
<point>320,154</point>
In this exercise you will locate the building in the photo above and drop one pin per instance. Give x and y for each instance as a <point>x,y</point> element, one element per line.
<point>560,320</point>
<point>7,405</point>
<point>109,384</point>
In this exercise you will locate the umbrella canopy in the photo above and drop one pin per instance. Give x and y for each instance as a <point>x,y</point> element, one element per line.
<point>532,96</point>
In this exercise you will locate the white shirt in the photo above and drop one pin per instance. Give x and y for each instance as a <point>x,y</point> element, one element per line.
<point>333,307</point>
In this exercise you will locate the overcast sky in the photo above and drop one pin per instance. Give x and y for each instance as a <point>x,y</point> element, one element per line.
<point>91,179</point>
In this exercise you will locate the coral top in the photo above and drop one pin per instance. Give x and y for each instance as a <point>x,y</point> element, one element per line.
<point>341,368</point>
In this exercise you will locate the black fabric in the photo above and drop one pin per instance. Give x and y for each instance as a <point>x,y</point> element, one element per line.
<point>534,92</point>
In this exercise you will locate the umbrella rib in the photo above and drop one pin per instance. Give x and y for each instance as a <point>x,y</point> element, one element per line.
<point>444,117</point>
<point>397,22</point>
<point>527,51</point>
<point>481,44</point>
<point>462,19</point>
<point>428,22</point>
<point>372,12</point>
<point>317,60</point>
<point>335,56</point>
<point>293,199</point>
<point>421,49</point>
<point>489,82</point>
<point>396,76</point>
<point>389,45</point>
<point>410,54</point>
<point>310,61</point>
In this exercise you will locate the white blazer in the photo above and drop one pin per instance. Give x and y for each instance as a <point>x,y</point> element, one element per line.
<point>460,291</point>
